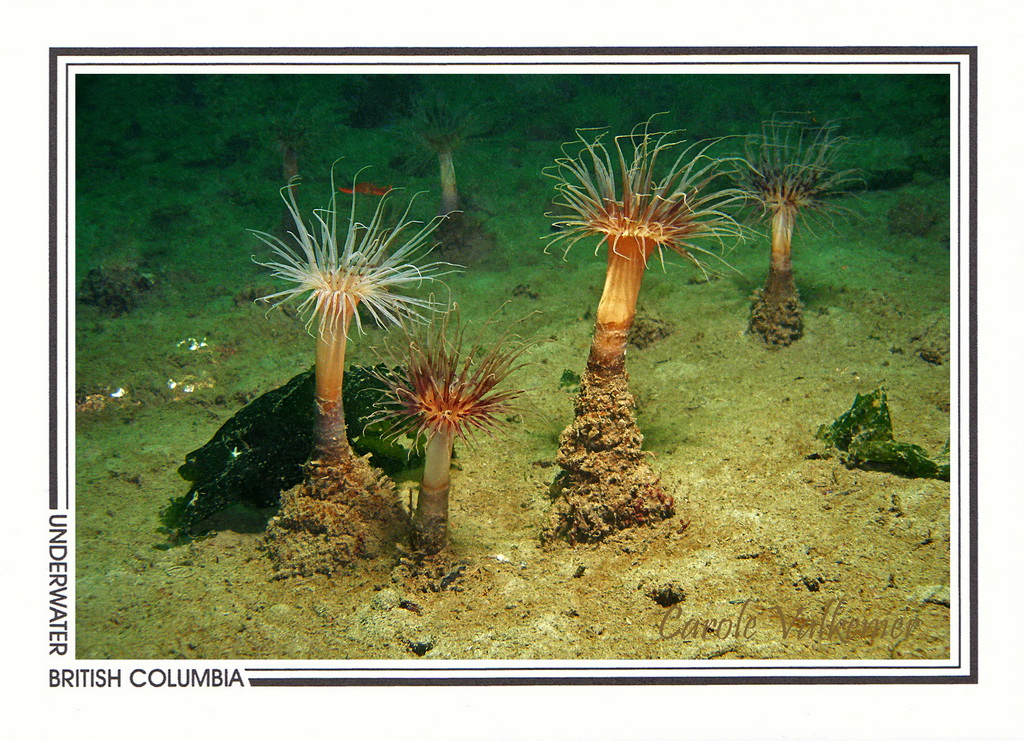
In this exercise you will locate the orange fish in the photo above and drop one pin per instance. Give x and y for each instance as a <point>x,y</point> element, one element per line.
<point>367,189</point>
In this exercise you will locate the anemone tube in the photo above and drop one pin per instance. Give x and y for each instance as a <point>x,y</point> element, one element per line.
<point>430,523</point>
<point>449,185</point>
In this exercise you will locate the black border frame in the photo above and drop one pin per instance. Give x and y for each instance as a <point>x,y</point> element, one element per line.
<point>378,675</point>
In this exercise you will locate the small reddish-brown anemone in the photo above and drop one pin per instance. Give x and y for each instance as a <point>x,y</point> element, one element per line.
<point>636,206</point>
<point>448,392</point>
<point>790,169</point>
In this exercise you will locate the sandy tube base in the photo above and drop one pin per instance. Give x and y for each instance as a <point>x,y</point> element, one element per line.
<point>606,484</point>
<point>342,512</point>
<point>430,524</point>
<point>776,313</point>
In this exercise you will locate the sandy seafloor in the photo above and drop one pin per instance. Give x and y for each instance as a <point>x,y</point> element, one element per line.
<point>171,175</point>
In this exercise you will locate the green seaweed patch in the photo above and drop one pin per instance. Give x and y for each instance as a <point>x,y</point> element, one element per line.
<point>569,381</point>
<point>862,438</point>
<point>364,392</point>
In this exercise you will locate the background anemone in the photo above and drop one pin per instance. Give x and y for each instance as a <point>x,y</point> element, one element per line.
<point>790,169</point>
<point>442,127</point>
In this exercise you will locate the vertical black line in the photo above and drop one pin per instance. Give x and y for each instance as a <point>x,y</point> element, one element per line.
<point>68,284</point>
<point>956,149</point>
<point>973,357</point>
<point>963,343</point>
<point>53,480</point>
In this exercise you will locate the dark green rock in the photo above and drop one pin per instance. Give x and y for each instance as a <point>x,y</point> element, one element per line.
<point>252,458</point>
<point>862,438</point>
<point>261,451</point>
<point>363,390</point>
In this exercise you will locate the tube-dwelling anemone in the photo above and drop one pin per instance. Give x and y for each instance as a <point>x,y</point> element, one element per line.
<point>443,127</point>
<point>620,197</point>
<point>450,390</point>
<point>346,508</point>
<point>790,169</point>
<point>330,274</point>
<point>648,192</point>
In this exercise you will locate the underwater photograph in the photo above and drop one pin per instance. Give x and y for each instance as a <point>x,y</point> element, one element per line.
<point>567,366</point>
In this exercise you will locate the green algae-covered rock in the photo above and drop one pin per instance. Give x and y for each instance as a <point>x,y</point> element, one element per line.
<point>862,438</point>
<point>261,451</point>
<point>251,459</point>
<point>363,390</point>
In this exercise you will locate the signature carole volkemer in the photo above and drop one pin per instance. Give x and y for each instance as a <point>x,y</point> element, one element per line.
<point>835,621</point>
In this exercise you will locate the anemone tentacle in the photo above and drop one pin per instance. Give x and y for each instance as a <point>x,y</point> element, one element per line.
<point>794,165</point>
<point>447,392</point>
<point>447,388</point>
<point>618,195</point>
<point>330,277</point>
